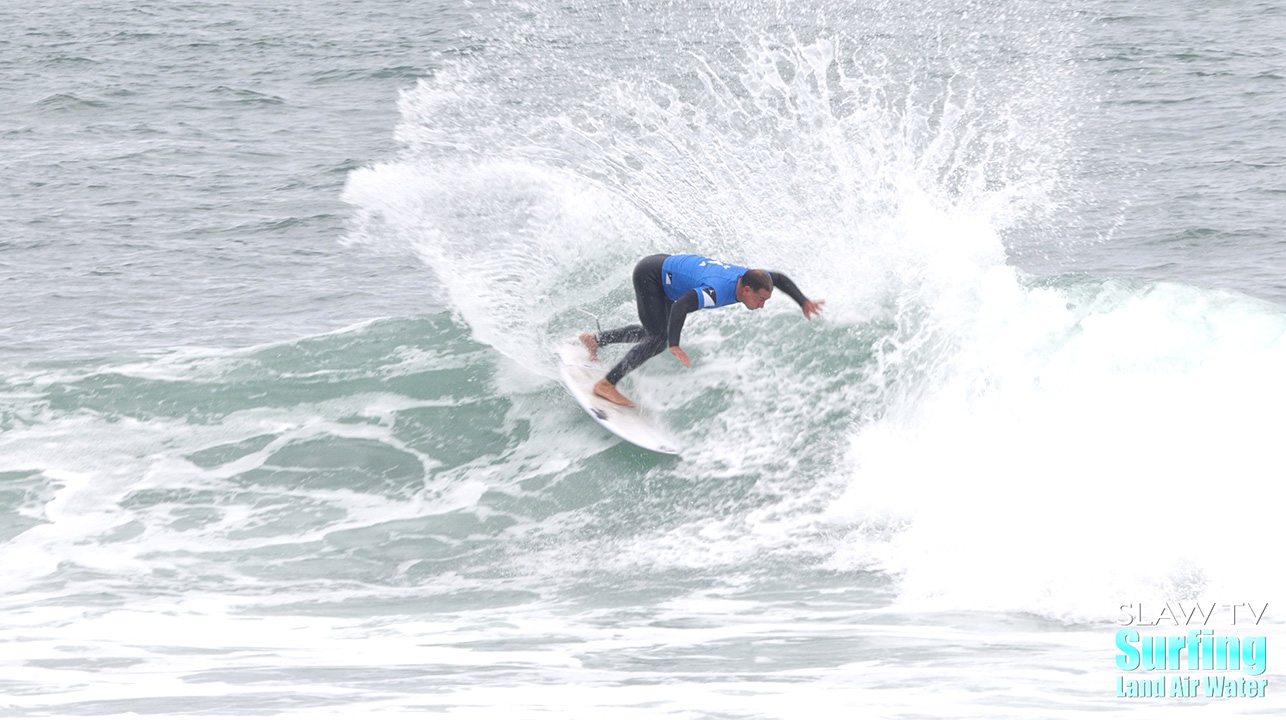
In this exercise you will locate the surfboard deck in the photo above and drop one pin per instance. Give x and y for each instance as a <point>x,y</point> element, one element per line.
<point>579,374</point>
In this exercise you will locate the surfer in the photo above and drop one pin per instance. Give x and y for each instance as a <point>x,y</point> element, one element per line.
<point>666,289</point>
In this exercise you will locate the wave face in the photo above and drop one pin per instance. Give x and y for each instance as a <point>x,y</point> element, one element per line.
<point>969,460</point>
<point>953,417</point>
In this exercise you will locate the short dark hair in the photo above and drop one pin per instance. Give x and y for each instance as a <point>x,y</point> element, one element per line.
<point>757,280</point>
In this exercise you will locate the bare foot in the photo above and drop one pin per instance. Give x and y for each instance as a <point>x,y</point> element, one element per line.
<point>608,391</point>
<point>589,341</point>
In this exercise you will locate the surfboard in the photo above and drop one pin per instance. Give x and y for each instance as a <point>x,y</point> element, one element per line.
<point>579,374</point>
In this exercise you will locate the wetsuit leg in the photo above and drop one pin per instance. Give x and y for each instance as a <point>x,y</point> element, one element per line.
<point>629,334</point>
<point>649,295</point>
<point>639,354</point>
<point>654,313</point>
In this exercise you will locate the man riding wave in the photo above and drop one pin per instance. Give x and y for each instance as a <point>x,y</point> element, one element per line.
<point>666,289</point>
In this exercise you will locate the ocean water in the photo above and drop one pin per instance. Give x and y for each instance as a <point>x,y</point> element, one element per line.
<point>280,427</point>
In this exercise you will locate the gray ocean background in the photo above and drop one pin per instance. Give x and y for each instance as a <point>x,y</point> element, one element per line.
<point>282,283</point>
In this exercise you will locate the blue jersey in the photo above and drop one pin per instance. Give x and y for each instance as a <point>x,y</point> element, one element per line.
<point>715,282</point>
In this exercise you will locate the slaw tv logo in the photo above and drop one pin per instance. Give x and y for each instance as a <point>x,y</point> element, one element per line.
<point>1161,663</point>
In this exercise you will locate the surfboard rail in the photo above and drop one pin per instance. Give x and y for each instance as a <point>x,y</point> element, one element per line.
<point>579,374</point>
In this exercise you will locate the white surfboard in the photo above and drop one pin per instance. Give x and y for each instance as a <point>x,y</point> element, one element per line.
<point>579,375</point>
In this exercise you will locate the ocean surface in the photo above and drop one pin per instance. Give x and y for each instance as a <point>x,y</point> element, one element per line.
<point>280,426</point>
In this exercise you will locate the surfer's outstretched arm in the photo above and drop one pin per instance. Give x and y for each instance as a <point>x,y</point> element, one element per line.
<point>686,303</point>
<point>788,286</point>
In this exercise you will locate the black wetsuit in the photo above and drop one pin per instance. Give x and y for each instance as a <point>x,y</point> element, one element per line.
<point>662,318</point>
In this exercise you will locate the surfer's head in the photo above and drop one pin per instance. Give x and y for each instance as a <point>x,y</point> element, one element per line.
<point>754,288</point>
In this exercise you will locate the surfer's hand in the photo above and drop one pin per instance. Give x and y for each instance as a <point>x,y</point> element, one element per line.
<point>677,351</point>
<point>812,308</point>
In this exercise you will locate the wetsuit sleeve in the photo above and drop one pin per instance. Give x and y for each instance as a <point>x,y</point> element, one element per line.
<point>686,303</point>
<point>779,280</point>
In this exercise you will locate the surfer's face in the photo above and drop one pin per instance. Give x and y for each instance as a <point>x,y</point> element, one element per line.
<point>754,299</point>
